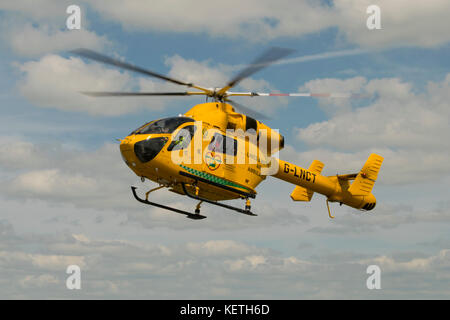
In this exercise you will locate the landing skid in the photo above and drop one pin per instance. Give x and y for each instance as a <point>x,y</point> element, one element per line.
<point>246,211</point>
<point>190,215</point>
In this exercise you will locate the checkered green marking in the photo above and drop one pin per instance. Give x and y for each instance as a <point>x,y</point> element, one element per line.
<point>212,178</point>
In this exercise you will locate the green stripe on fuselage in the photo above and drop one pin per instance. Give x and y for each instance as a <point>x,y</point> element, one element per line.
<point>212,178</point>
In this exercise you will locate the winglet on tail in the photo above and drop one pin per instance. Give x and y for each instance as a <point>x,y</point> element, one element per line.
<point>364,181</point>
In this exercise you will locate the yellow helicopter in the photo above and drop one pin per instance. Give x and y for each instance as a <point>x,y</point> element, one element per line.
<point>213,153</point>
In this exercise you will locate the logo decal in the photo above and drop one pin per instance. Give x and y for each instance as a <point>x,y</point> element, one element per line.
<point>212,161</point>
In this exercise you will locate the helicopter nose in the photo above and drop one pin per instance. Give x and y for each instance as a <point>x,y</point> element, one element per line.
<point>126,151</point>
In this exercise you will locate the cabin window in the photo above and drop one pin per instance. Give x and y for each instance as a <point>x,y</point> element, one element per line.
<point>182,139</point>
<point>223,144</point>
<point>167,125</point>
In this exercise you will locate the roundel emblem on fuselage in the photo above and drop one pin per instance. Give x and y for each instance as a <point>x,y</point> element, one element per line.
<point>213,161</point>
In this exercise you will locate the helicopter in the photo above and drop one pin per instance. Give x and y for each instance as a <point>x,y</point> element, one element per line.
<point>213,153</point>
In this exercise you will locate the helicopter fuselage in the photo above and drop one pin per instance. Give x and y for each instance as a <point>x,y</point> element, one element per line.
<point>211,148</point>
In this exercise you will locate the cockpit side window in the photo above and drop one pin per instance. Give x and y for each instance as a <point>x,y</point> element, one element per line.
<point>223,144</point>
<point>167,125</point>
<point>182,139</point>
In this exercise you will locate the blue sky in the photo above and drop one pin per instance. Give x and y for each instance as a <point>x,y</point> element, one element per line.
<point>65,197</point>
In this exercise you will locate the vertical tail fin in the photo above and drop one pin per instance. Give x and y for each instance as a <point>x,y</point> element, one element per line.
<point>364,181</point>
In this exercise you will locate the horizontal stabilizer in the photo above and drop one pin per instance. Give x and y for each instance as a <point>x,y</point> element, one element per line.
<point>301,193</point>
<point>364,181</point>
<point>316,166</point>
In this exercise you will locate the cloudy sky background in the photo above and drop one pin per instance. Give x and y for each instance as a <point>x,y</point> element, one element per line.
<point>64,191</point>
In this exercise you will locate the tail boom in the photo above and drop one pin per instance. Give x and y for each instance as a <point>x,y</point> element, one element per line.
<point>335,188</point>
<point>305,178</point>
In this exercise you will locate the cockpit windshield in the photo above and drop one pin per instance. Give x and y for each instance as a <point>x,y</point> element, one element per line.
<point>167,125</point>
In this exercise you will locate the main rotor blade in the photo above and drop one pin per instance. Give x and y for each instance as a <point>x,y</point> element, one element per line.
<point>301,94</point>
<point>247,111</point>
<point>267,58</point>
<point>86,53</point>
<point>137,94</point>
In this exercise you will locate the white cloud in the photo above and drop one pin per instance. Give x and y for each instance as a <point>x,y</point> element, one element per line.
<point>51,262</point>
<point>403,24</point>
<point>16,154</point>
<point>341,87</point>
<point>31,30</point>
<point>422,23</point>
<point>125,269</point>
<point>219,248</point>
<point>32,41</point>
<point>399,124</point>
<point>61,174</point>
<point>47,9</point>
<point>201,73</point>
<point>386,216</point>
<point>40,281</point>
<point>56,262</point>
<point>247,263</point>
<point>422,265</point>
<point>64,80</point>
<point>52,182</point>
<point>256,20</point>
